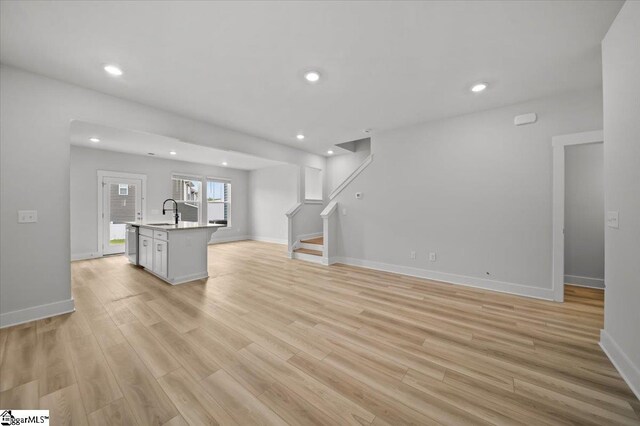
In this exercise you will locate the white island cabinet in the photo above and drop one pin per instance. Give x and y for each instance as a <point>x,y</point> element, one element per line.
<point>174,253</point>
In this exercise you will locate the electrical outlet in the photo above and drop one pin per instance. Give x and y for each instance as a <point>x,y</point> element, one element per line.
<point>412,254</point>
<point>27,216</point>
<point>432,257</point>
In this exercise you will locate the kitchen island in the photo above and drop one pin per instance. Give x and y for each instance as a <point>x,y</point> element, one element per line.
<point>175,253</point>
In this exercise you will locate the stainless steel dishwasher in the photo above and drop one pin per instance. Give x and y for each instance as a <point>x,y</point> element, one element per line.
<point>131,244</point>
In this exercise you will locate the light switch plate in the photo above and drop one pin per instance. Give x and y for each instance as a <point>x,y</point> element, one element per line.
<point>27,216</point>
<point>612,219</point>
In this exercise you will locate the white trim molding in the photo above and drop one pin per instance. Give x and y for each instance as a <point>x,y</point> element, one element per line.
<point>229,239</point>
<point>84,256</point>
<point>351,177</point>
<point>584,281</point>
<point>483,283</point>
<point>269,240</point>
<point>628,371</point>
<point>34,313</point>
<point>559,144</point>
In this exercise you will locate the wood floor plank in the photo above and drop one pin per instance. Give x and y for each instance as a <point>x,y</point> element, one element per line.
<point>114,414</point>
<point>55,366</point>
<point>196,406</point>
<point>98,386</point>
<point>240,403</point>
<point>150,350</point>
<point>198,362</point>
<point>147,401</point>
<point>23,397</point>
<point>65,406</point>
<point>267,339</point>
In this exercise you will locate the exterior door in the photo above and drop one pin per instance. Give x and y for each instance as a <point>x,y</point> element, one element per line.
<point>121,203</point>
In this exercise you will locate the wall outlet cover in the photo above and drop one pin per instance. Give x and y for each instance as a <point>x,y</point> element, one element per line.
<point>27,216</point>
<point>432,257</point>
<point>612,219</point>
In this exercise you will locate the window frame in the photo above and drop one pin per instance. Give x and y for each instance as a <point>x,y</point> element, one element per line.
<point>194,178</point>
<point>229,202</point>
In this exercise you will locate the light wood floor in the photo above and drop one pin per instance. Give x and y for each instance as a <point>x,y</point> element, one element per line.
<point>268,340</point>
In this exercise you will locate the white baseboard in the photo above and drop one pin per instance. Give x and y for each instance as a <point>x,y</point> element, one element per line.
<point>229,239</point>
<point>7,319</point>
<point>584,281</point>
<point>84,256</point>
<point>629,372</point>
<point>500,286</point>
<point>269,240</point>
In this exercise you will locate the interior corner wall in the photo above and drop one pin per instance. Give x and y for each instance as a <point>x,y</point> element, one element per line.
<point>621,89</point>
<point>584,215</point>
<point>272,192</point>
<point>474,189</point>
<point>35,114</point>
<point>85,163</point>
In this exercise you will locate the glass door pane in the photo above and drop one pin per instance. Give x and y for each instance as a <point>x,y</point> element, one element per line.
<point>122,204</point>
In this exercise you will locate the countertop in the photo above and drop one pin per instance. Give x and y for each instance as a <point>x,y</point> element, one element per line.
<point>173,227</point>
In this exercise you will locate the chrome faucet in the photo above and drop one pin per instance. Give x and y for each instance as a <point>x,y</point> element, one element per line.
<point>175,208</point>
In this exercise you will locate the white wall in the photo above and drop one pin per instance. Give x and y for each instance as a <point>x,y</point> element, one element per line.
<point>474,189</point>
<point>341,166</point>
<point>35,113</point>
<point>621,87</point>
<point>85,162</point>
<point>272,191</point>
<point>584,215</point>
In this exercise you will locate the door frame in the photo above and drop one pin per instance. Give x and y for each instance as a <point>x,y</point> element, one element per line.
<point>103,174</point>
<point>559,144</point>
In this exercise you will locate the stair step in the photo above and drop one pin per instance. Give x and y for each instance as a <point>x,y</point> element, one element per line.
<point>318,241</point>
<point>308,251</point>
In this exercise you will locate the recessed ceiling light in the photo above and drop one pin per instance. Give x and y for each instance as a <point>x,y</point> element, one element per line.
<point>312,76</point>
<point>329,152</point>
<point>300,136</point>
<point>476,88</point>
<point>224,163</point>
<point>172,152</point>
<point>113,70</point>
<point>94,140</point>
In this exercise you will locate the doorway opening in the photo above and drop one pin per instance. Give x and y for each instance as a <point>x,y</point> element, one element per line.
<point>578,211</point>
<point>121,199</point>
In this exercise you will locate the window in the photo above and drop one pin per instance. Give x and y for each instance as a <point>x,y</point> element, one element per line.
<point>123,189</point>
<point>218,201</point>
<point>187,191</point>
<point>312,184</point>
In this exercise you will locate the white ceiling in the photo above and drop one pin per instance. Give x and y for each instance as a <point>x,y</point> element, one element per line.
<point>384,64</point>
<point>140,143</point>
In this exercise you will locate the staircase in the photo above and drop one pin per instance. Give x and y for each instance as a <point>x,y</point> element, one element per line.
<point>311,250</point>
